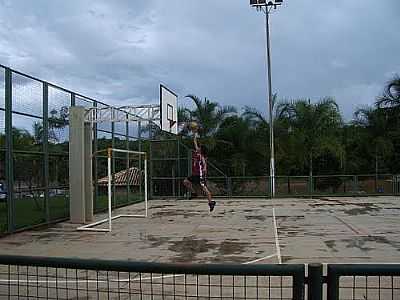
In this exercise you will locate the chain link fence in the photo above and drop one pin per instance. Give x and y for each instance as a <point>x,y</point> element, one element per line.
<point>34,151</point>
<point>171,164</point>
<point>34,160</point>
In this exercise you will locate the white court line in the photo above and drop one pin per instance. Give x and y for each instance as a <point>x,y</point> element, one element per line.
<point>278,249</point>
<point>260,259</point>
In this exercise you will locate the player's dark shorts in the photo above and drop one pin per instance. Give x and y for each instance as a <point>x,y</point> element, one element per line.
<point>196,179</point>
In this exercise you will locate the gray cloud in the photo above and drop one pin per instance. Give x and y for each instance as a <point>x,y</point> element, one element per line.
<point>119,51</point>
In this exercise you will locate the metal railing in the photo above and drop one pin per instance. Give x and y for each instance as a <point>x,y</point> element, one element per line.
<point>286,186</point>
<point>373,281</point>
<point>23,277</point>
<point>62,278</point>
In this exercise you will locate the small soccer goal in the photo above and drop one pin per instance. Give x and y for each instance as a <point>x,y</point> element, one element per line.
<point>125,183</point>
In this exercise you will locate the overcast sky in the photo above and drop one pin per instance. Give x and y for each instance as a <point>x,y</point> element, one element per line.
<point>120,51</point>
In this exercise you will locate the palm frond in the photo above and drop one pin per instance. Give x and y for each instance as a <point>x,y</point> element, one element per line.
<point>391,94</point>
<point>197,101</point>
<point>253,115</point>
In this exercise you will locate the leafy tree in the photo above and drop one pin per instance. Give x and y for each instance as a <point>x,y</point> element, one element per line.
<point>375,121</point>
<point>315,127</point>
<point>208,114</point>
<point>390,103</point>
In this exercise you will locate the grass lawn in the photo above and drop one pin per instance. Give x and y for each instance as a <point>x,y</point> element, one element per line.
<point>31,211</point>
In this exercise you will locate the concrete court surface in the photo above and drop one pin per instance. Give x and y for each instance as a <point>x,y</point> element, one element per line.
<point>326,230</point>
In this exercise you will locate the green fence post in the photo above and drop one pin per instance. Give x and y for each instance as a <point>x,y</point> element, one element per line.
<point>332,284</point>
<point>179,167</point>
<point>299,284</point>
<point>189,158</point>
<point>9,149</point>
<point>151,192</point>
<point>127,159</point>
<point>315,281</point>
<point>139,138</point>
<point>94,164</point>
<point>72,99</point>
<point>45,142</point>
<point>114,202</point>
<point>356,187</point>
<point>229,186</point>
<point>67,205</point>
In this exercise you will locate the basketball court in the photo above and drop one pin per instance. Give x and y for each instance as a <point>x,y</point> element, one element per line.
<point>248,231</point>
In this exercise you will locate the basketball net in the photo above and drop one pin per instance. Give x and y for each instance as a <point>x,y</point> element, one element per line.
<point>171,124</point>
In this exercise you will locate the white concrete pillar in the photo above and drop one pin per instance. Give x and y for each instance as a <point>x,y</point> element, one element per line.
<point>76,164</point>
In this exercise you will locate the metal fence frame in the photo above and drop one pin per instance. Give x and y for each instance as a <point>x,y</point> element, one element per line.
<point>296,272</point>
<point>309,191</point>
<point>336,271</point>
<point>227,183</point>
<point>351,184</point>
<point>45,152</point>
<point>308,280</point>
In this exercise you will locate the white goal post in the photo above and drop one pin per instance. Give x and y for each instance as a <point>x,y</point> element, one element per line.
<point>110,151</point>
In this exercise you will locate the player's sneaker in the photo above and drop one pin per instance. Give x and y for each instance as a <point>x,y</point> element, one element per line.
<point>211,204</point>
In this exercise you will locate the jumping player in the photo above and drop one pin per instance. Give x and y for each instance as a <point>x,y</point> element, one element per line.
<point>199,172</point>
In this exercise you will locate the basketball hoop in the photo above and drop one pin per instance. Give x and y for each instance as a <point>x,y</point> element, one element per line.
<point>172,123</point>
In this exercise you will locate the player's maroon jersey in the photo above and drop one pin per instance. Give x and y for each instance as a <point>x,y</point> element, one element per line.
<point>197,164</point>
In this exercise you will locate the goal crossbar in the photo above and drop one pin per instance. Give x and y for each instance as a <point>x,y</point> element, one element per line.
<point>89,227</point>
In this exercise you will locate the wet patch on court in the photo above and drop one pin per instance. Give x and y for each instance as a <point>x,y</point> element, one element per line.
<point>363,243</point>
<point>161,206</point>
<point>157,241</point>
<point>189,247</point>
<point>383,241</point>
<point>327,202</point>
<point>229,247</point>
<point>259,218</point>
<point>231,259</point>
<point>289,224</point>
<point>363,209</point>
<point>177,212</point>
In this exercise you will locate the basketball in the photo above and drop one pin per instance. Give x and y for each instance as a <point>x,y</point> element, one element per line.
<point>193,126</point>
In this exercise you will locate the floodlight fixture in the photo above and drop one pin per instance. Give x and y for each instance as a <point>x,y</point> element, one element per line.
<point>264,3</point>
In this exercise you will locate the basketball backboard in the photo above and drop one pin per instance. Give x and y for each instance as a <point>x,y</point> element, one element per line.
<point>168,110</point>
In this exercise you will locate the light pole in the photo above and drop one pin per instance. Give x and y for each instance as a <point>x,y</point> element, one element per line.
<point>266,6</point>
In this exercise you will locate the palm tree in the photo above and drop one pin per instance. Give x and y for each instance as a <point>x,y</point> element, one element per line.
<point>22,139</point>
<point>391,94</point>
<point>234,139</point>
<point>208,114</point>
<point>283,141</point>
<point>256,117</point>
<point>375,121</point>
<point>315,126</point>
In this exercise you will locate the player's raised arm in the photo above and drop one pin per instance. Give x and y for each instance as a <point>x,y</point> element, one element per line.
<point>196,145</point>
